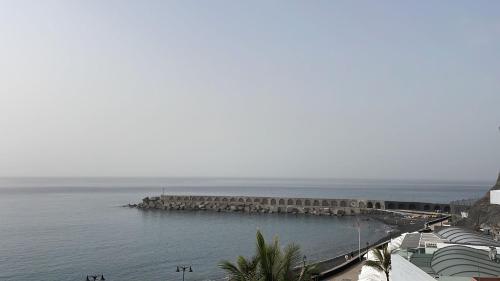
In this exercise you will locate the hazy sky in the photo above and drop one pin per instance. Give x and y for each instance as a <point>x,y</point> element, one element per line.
<point>363,89</point>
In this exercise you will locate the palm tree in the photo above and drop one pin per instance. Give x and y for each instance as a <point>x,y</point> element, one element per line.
<point>382,260</point>
<point>244,270</point>
<point>270,263</point>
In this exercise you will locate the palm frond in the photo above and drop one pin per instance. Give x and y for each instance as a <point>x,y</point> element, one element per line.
<point>307,272</point>
<point>232,270</point>
<point>270,263</point>
<point>375,265</point>
<point>378,254</point>
<point>291,257</point>
<point>382,260</point>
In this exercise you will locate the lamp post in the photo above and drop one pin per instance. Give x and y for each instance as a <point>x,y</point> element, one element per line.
<point>304,259</point>
<point>183,268</point>
<point>367,249</point>
<point>94,278</point>
<point>359,243</point>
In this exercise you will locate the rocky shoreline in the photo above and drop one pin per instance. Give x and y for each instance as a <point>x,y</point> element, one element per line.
<point>484,216</point>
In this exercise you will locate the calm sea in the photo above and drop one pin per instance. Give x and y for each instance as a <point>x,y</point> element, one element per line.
<point>66,228</point>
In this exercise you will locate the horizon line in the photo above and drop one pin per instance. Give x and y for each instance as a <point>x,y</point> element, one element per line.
<point>248,178</point>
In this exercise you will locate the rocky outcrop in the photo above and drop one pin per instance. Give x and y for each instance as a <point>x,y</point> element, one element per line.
<point>483,214</point>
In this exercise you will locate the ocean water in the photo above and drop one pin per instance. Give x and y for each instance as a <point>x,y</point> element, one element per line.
<point>66,228</point>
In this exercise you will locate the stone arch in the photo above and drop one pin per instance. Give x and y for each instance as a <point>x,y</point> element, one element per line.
<point>273,201</point>
<point>334,203</point>
<point>361,204</point>
<point>241,200</point>
<point>325,203</point>
<point>249,200</point>
<point>256,200</point>
<point>377,205</point>
<point>232,200</point>
<point>427,207</point>
<point>298,202</point>
<point>307,202</point>
<point>343,203</point>
<point>370,205</point>
<point>264,201</point>
<point>316,203</point>
<point>281,202</point>
<point>290,202</point>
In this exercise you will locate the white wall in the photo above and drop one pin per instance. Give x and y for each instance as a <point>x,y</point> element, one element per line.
<point>495,197</point>
<point>403,270</point>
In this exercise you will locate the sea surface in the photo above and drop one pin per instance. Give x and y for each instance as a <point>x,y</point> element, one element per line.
<point>65,228</point>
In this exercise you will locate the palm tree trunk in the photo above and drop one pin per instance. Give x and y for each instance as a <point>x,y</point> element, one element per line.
<point>387,275</point>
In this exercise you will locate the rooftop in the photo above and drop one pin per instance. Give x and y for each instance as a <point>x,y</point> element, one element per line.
<point>463,236</point>
<point>458,260</point>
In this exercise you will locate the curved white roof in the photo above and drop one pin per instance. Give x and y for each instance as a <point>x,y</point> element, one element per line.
<point>463,261</point>
<point>463,236</point>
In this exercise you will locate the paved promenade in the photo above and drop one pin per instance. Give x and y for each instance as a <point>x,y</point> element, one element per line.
<point>351,273</point>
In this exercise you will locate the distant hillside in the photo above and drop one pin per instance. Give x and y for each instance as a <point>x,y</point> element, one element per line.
<point>482,212</point>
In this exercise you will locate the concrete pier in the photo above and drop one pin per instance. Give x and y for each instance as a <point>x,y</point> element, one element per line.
<point>317,206</point>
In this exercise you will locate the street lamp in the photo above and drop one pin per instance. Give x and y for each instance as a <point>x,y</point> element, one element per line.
<point>304,259</point>
<point>183,268</point>
<point>94,278</point>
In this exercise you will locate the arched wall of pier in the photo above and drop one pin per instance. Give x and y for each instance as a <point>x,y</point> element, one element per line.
<point>417,206</point>
<point>287,204</point>
<point>279,203</point>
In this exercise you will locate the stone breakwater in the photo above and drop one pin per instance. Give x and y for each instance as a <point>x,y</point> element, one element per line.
<point>315,206</point>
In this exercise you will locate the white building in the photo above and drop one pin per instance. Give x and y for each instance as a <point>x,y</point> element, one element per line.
<point>495,197</point>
